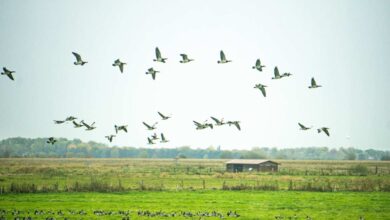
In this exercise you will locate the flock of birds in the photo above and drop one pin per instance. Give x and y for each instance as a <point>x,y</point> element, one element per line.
<point>125,214</point>
<point>151,71</point>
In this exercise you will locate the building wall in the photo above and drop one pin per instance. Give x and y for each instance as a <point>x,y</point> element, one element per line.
<point>263,167</point>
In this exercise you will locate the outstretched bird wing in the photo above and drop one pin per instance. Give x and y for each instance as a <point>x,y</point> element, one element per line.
<point>78,57</point>
<point>276,72</point>
<point>326,131</point>
<point>262,89</point>
<point>197,123</point>
<point>10,76</point>
<point>162,137</point>
<point>222,55</point>
<point>184,56</point>
<point>216,120</point>
<point>148,126</point>
<point>258,64</point>
<point>301,125</point>
<point>158,54</point>
<point>154,75</point>
<point>121,67</point>
<point>313,82</point>
<point>162,116</point>
<point>238,126</point>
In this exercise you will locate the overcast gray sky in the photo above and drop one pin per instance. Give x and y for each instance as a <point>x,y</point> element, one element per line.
<point>344,44</point>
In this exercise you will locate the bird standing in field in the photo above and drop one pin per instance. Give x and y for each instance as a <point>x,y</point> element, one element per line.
<point>314,84</point>
<point>117,62</point>
<point>185,58</point>
<point>223,58</point>
<point>51,140</point>
<point>258,65</point>
<point>158,56</point>
<point>324,129</point>
<point>304,128</point>
<point>152,72</point>
<point>261,87</point>
<point>79,61</point>
<point>8,73</point>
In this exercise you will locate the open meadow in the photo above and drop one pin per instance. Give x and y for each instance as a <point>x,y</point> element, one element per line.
<point>192,189</point>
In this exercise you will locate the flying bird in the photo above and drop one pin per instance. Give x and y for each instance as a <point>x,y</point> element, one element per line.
<point>158,56</point>
<point>8,73</point>
<point>286,74</point>
<point>276,73</point>
<point>155,137</point>
<point>303,127</point>
<point>110,137</point>
<point>150,141</point>
<point>117,62</point>
<point>163,140</point>
<point>261,88</point>
<point>79,61</point>
<point>121,127</point>
<point>88,127</point>
<point>77,125</point>
<point>58,122</point>
<point>150,127</point>
<point>163,117</point>
<point>218,122</point>
<point>324,129</point>
<point>199,126</point>
<point>313,84</point>
<point>223,58</point>
<point>258,65</point>
<point>51,140</point>
<point>185,58</point>
<point>236,123</point>
<point>70,118</point>
<point>152,72</point>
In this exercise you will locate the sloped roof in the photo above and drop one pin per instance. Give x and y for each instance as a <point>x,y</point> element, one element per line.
<point>245,161</point>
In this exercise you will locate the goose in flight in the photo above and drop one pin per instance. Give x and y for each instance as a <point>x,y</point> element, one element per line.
<point>163,140</point>
<point>210,125</point>
<point>150,141</point>
<point>58,122</point>
<point>304,128</point>
<point>152,72</point>
<point>70,118</point>
<point>79,61</point>
<point>236,123</point>
<point>8,73</point>
<point>185,58</point>
<point>110,137</point>
<point>117,62</point>
<point>51,140</point>
<point>158,56</point>
<point>324,129</point>
<point>154,137</point>
<point>88,127</point>
<point>150,127</point>
<point>199,126</point>
<point>313,84</point>
<point>223,58</point>
<point>163,117</point>
<point>121,127</point>
<point>276,73</point>
<point>218,122</point>
<point>261,88</point>
<point>77,125</point>
<point>258,65</point>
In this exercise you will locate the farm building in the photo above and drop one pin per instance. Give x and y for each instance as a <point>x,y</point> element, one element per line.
<point>241,165</point>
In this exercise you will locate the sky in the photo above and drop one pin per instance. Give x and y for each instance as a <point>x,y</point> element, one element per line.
<point>343,44</point>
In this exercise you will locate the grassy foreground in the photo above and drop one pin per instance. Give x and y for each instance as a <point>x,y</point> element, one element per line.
<point>249,204</point>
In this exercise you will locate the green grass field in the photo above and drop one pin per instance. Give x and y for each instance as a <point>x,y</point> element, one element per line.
<point>249,204</point>
<point>318,189</point>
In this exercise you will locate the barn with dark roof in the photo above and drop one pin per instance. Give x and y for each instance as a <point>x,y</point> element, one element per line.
<point>242,165</point>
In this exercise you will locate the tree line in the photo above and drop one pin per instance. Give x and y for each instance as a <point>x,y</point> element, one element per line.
<point>64,148</point>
